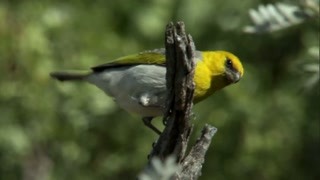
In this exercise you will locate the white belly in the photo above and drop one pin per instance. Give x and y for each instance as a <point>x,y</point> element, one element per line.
<point>138,89</point>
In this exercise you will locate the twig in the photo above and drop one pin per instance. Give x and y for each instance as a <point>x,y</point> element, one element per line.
<point>192,164</point>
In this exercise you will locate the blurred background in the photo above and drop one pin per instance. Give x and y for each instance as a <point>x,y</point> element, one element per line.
<point>268,123</point>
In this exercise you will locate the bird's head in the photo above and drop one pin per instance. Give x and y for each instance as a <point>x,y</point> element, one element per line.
<point>226,66</point>
<point>233,69</point>
<point>214,71</point>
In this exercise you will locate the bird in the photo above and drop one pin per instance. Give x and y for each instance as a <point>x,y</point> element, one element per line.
<point>137,82</point>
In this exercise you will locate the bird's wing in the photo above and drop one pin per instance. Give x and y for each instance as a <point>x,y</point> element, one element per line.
<point>156,57</point>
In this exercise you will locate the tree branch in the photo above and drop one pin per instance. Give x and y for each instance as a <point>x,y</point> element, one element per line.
<point>192,164</point>
<point>173,142</point>
<point>180,71</point>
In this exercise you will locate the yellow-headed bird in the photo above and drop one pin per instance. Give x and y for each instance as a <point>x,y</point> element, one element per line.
<point>137,82</point>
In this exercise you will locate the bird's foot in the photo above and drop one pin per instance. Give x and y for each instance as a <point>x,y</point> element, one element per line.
<point>147,122</point>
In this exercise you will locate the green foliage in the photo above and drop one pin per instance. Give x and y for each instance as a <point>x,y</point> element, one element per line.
<point>267,127</point>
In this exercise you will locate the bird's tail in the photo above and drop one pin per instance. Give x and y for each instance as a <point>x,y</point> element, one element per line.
<point>70,75</point>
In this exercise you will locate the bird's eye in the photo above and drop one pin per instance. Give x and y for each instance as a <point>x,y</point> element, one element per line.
<point>229,63</point>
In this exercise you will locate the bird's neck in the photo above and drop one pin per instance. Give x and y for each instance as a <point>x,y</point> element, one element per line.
<point>206,82</point>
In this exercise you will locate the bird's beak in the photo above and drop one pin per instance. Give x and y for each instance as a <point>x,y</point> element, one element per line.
<point>233,76</point>
<point>237,77</point>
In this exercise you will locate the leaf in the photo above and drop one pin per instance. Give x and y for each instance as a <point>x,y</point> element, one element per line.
<point>270,18</point>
